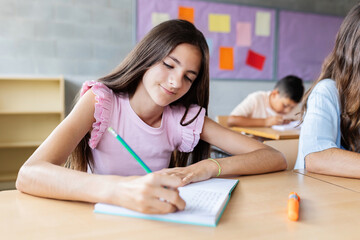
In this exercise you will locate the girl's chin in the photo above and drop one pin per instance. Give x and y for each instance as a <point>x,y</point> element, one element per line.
<point>161,102</point>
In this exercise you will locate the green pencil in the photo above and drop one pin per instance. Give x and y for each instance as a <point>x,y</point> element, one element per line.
<point>137,158</point>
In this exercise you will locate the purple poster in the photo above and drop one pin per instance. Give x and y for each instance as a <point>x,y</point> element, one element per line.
<point>240,39</point>
<point>304,42</point>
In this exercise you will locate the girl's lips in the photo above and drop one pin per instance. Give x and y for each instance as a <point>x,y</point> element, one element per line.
<point>167,91</point>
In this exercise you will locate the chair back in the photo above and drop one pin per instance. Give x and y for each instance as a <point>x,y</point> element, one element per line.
<point>289,147</point>
<point>222,120</point>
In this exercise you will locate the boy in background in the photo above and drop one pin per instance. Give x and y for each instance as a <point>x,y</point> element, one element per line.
<point>267,108</point>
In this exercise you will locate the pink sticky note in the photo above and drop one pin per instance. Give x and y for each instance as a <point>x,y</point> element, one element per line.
<point>243,34</point>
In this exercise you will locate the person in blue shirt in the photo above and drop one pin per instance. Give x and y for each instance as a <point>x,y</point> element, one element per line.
<point>330,134</point>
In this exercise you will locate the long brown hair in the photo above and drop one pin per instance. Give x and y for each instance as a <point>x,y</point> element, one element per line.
<point>124,79</point>
<point>343,66</point>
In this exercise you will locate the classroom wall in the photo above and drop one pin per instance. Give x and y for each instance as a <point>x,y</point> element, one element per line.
<point>85,39</point>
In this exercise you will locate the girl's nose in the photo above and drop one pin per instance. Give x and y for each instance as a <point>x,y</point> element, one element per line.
<point>175,81</point>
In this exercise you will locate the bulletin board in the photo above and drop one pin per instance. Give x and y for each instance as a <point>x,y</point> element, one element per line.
<point>240,38</point>
<point>304,42</point>
<point>250,43</point>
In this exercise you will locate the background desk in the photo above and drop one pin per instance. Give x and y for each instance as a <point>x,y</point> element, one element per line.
<point>268,132</point>
<point>348,183</point>
<point>263,132</point>
<point>257,210</point>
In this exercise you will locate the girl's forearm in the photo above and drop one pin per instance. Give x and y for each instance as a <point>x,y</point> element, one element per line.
<point>48,180</point>
<point>152,193</point>
<point>334,161</point>
<point>256,162</point>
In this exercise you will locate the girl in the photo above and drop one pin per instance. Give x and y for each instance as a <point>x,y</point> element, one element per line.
<point>156,100</point>
<point>330,137</point>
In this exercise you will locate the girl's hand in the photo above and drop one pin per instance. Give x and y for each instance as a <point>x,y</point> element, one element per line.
<point>200,171</point>
<point>152,194</point>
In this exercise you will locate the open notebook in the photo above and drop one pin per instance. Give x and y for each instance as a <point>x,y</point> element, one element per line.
<point>293,125</point>
<point>205,203</point>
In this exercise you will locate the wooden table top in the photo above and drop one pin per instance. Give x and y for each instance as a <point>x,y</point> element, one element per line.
<point>256,210</point>
<point>348,183</point>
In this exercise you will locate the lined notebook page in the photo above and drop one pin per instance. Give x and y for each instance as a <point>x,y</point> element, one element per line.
<point>205,202</point>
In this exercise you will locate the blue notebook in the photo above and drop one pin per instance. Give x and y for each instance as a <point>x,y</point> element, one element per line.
<point>205,203</point>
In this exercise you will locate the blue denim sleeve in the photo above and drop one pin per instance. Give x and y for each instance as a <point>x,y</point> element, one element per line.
<point>321,127</point>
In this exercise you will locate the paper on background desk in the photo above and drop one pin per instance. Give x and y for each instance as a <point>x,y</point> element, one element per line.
<point>205,203</point>
<point>290,126</point>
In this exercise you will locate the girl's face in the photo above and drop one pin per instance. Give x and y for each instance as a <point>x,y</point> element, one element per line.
<point>171,78</point>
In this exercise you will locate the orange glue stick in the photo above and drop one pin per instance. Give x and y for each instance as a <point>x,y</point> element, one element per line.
<point>293,206</point>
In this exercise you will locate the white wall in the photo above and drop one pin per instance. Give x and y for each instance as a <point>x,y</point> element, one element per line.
<point>85,39</point>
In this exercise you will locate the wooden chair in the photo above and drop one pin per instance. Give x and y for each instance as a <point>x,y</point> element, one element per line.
<point>288,147</point>
<point>222,120</point>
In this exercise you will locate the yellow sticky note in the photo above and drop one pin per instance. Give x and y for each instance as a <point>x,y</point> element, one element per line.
<point>219,23</point>
<point>186,13</point>
<point>262,24</point>
<point>226,58</point>
<point>157,18</point>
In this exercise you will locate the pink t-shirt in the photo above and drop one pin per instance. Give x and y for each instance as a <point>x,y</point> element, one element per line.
<point>153,145</point>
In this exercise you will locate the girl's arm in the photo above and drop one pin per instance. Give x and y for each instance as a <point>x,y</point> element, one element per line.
<point>320,135</point>
<point>43,175</point>
<point>249,156</point>
<point>334,161</point>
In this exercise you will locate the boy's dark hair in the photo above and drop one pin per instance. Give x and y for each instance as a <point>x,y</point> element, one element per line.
<point>292,87</point>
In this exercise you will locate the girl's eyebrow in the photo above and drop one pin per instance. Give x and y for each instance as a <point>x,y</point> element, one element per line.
<point>178,62</point>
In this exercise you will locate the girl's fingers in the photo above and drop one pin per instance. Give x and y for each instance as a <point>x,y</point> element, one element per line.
<point>188,179</point>
<point>169,196</point>
<point>179,172</point>
<point>164,180</point>
<point>163,186</point>
<point>157,206</point>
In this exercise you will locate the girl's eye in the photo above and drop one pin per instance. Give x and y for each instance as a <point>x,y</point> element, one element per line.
<point>167,65</point>
<point>189,79</point>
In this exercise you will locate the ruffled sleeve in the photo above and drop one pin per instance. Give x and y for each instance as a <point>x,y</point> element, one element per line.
<point>190,134</point>
<point>103,106</point>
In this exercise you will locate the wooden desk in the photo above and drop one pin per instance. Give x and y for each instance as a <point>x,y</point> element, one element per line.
<point>268,132</point>
<point>348,183</point>
<point>257,210</point>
